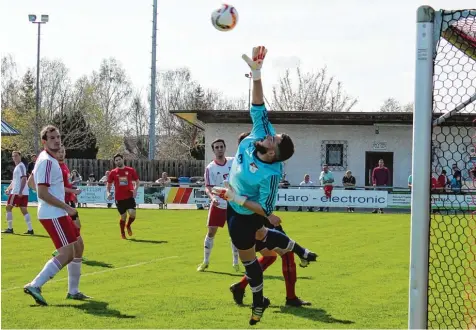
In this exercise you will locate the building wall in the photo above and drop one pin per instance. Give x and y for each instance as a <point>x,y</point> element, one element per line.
<point>308,140</point>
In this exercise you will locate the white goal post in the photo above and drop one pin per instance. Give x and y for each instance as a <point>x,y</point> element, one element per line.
<point>421,163</point>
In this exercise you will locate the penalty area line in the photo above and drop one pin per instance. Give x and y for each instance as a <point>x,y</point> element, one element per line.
<point>102,271</point>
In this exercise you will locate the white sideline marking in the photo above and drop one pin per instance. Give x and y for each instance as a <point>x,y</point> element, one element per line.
<point>102,271</point>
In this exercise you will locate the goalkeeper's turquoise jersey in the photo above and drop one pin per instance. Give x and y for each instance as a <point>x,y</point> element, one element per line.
<point>251,177</point>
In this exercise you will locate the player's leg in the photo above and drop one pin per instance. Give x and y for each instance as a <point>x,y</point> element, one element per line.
<point>131,209</point>
<point>273,239</point>
<point>267,259</point>
<point>26,215</point>
<point>63,235</point>
<point>9,216</point>
<point>236,257</point>
<point>74,271</point>
<point>216,219</point>
<point>122,209</point>
<point>242,230</point>
<point>207,248</point>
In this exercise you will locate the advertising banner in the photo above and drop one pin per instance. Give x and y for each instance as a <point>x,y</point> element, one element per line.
<point>339,198</point>
<point>98,195</point>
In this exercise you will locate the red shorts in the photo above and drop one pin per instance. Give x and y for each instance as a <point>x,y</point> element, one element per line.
<point>61,230</point>
<point>15,200</point>
<point>216,217</point>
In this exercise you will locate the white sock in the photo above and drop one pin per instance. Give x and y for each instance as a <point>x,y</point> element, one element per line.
<point>74,274</point>
<point>47,273</point>
<point>235,254</point>
<point>208,246</point>
<point>28,221</point>
<point>10,220</point>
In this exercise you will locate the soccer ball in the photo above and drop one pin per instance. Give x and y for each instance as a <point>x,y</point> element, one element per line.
<point>225,18</point>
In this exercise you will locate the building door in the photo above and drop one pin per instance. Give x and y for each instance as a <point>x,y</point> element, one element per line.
<point>371,161</point>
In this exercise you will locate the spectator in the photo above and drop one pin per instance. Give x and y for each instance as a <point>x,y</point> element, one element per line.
<point>104,178</point>
<point>283,184</point>
<point>456,171</point>
<point>456,183</point>
<point>31,164</point>
<point>91,180</point>
<point>380,178</point>
<point>103,181</point>
<point>75,180</point>
<point>442,181</point>
<point>348,181</point>
<point>164,180</point>
<point>306,183</point>
<point>327,180</point>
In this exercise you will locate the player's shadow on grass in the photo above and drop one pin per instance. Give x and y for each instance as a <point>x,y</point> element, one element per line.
<point>146,241</point>
<point>98,308</point>
<point>27,235</point>
<point>95,263</point>
<point>266,277</point>
<point>314,314</point>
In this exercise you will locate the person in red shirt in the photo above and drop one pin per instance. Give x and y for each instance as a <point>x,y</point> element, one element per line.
<point>380,178</point>
<point>125,192</point>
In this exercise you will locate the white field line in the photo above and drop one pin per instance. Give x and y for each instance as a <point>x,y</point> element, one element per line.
<point>102,271</point>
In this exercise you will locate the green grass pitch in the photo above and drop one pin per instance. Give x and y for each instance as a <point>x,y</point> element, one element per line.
<point>150,281</point>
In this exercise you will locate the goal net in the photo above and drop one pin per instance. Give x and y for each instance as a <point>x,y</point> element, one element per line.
<point>443,247</point>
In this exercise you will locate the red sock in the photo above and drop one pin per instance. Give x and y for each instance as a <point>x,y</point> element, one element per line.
<point>122,224</point>
<point>264,262</point>
<point>289,273</point>
<point>130,221</point>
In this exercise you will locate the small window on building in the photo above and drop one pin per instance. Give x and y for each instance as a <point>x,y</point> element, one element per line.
<point>334,154</point>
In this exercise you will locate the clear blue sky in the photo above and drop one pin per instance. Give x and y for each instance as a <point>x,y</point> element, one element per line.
<point>368,44</point>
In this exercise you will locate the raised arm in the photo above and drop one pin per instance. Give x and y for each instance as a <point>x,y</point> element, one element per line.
<point>259,115</point>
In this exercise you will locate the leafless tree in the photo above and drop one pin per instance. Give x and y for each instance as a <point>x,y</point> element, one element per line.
<point>392,105</point>
<point>55,85</point>
<point>10,81</point>
<point>310,91</point>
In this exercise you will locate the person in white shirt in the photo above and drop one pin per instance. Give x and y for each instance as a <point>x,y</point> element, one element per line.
<point>55,216</point>
<point>17,193</point>
<point>327,180</point>
<point>215,174</point>
<point>306,183</point>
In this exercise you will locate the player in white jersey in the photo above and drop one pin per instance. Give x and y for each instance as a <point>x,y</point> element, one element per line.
<point>17,193</point>
<point>215,174</point>
<point>55,216</point>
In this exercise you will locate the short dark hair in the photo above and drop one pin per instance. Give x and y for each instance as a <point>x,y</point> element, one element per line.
<point>286,148</point>
<point>46,130</point>
<point>118,155</point>
<point>16,152</point>
<point>217,141</point>
<point>242,136</point>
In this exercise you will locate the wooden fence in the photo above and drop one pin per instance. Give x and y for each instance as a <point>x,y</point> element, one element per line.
<point>148,170</point>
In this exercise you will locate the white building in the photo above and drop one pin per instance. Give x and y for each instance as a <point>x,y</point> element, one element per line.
<point>344,141</point>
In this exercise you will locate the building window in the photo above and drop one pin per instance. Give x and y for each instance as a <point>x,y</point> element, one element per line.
<point>334,154</point>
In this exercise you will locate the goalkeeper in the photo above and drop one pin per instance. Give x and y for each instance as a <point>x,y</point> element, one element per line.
<point>253,188</point>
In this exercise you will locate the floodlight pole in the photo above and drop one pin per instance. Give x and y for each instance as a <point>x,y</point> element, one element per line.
<point>37,112</point>
<point>153,78</point>
<point>249,76</point>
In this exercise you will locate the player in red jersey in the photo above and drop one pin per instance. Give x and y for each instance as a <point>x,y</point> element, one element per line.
<point>55,216</point>
<point>17,193</point>
<point>125,192</point>
<point>69,197</point>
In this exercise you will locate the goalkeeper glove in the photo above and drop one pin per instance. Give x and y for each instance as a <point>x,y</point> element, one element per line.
<point>227,193</point>
<point>255,64</point>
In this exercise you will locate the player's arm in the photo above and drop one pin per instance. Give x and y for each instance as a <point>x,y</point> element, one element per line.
<point>31,182</point>
<point>72,191</point>
<point>209,184</point>
<point>23,179</point>
<point>374,180</point>
<point>9,188</point>
<point>135,177</point>
<point>259,115</point>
